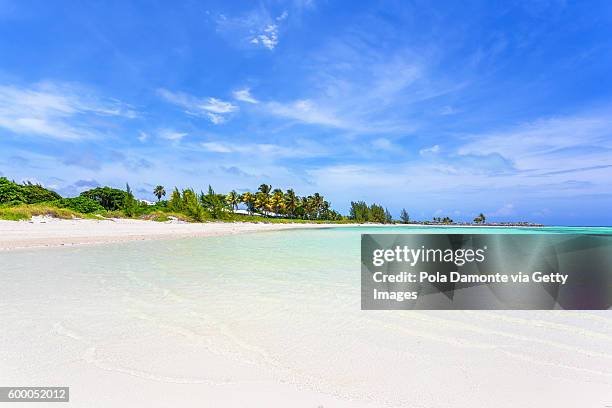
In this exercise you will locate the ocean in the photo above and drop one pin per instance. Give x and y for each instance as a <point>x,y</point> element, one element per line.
<point>274,319</point>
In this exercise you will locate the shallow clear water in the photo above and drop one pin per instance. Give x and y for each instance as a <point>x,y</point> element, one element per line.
<point>280,307</point>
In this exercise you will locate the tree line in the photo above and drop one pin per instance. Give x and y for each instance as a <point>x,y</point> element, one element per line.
<point>264,201</point>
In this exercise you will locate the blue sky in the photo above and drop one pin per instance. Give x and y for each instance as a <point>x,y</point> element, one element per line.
<point>444,108</point>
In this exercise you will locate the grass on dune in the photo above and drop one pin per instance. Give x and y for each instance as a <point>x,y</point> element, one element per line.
<point>27,211</point>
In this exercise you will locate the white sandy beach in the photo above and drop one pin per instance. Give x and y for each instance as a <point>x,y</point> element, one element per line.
<point>43,232</point>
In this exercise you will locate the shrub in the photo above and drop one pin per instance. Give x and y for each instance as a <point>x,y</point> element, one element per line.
<point>11,192</point>
<point>35,193</point>
<point>109,198</point>
<point>80,204</point>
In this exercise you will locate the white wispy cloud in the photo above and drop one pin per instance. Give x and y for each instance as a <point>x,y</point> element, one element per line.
<point>244,95</point>
<point>550,144</point>
<point>306,111</point>
<point>212,108</point>
<point>258,28</point>
<point>300,148</point>
<point>268,38</point>
<point>355,87</point>
<point>217,147</point>
<point>171,134</point>
<point>56,110</point>
<point>430,150</point>
<point>382,143</point>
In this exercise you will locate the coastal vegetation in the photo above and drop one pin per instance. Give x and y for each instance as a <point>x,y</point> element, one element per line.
<point>481,219</point>
<point>361,212</point>
<point>264,204</point>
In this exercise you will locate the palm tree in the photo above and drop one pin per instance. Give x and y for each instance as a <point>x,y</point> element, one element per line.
<point>233,199</point>
<point>262,198</point>
<point>291,202</point>
<point>325,210</point>
<point>159,192</point>
<point>265,189</point>
<point>249,199</point>
<point>262,202</point>
<point>317,204</point>
<point>309,207</point>
<point>277,201</point>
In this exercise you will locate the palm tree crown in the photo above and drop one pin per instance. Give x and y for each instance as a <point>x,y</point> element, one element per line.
<point>159,192</point>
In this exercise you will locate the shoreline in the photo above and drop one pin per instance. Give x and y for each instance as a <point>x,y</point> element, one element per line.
<point>47,232</point>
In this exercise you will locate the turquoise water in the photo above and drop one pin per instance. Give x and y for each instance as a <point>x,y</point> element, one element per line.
<point>480,230</point>
<point>280,308</point>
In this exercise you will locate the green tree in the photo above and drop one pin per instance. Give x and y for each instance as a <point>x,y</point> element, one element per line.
<point>388,217</point>
<point>248,199</point>
<point>262,202</point>
<point>109,198</point>
<point>159,192</point>
<point>377,214</point>
<point>265,189</point>
<point>129,202</point>
<point>359,211</point>
<point>480,219</point>
<point>317,204</point>
<point>262,198</point>
<point>175,203</point>
<point>28,192</point>
<point>214,203</point>
<point>10,192</point>
<point>404,217</point>
<point>190,205</point>
<point>308,205</point>
<point>233,199</point>
<point>35,193</point>
<point>80,204</point>
<point>291,203</point>
<point>277,202</point>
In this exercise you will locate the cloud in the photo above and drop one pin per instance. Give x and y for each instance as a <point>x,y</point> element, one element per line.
<point>256,28</point>
<point>85,160</point>
<point>56,110</point>
<point>299,149</point>
<point>212,108</point>
<point>354,86</point>
<point>268,38</point>
<point>217,147</point>
<point>244,95</point>
<point>550,145</point>
<point>383,144</point>
<point>505,211</point>
<point>215,118</point>
<point>430,150</point>
<point>235,171</point>
<point>170,134</point>
<point>306,111</point>
<point>143,136</point>
<point>86,183</point>
<point>139,164</point>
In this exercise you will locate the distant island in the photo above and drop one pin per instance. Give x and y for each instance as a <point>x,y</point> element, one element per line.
<point>22,201</point>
